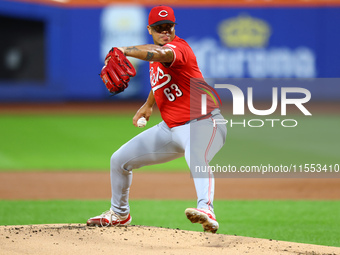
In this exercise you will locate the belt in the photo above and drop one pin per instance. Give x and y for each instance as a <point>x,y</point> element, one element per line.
<point>204,116</point>
<point>207,116</point>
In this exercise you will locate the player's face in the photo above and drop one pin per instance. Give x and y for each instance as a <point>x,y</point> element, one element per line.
<point>162,34</point>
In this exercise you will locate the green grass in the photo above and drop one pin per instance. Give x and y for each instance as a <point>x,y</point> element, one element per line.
<point>86,142</point>
<point>316,222</point>
<point>70,142</point>
<point>315,140</point>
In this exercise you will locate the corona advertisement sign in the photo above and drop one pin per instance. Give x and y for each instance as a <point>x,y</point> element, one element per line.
<point>244,31</point>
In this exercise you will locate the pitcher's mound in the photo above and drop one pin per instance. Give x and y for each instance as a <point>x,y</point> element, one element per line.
<point>77,239</point>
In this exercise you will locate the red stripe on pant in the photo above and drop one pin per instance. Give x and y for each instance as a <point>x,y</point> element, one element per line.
<point>206,161</point>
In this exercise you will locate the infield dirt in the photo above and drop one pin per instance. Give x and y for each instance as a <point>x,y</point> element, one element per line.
<point>79,239</point>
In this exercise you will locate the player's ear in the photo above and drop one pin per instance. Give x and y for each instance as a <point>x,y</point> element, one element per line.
<point>149,29</point>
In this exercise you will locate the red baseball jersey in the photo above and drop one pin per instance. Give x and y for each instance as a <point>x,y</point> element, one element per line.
<point>171,86</point>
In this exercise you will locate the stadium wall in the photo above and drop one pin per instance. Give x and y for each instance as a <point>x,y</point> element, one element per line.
<point>54,52</point>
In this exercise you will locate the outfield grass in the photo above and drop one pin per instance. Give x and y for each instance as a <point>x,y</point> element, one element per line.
<point>315,140</point>
<point>78,142</point>
<point>315,222</point>
<point>66,142</point>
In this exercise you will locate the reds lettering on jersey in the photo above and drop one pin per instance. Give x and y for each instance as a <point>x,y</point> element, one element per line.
<point>171,85</point>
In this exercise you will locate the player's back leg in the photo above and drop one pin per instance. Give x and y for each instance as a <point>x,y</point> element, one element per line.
<point>153,146</point>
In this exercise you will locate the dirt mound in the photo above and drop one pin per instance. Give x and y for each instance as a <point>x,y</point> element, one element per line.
<point>79,239</point>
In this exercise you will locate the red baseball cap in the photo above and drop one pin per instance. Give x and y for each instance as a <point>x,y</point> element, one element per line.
<point>161,15</point>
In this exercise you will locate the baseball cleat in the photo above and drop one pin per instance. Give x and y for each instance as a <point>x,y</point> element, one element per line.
<point>204,217</point>
<point>109,218</point>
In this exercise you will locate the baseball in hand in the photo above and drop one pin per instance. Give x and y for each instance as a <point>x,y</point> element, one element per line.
<point>141,122</point>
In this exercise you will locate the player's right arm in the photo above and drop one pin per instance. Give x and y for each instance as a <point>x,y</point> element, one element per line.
<point>149,52</point>
<point>146,109</point>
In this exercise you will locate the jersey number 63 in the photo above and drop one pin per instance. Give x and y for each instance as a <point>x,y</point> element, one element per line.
<point>172,92</point>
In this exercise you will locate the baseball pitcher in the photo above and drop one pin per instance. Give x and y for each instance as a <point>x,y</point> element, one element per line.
<point>173,66</point>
